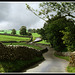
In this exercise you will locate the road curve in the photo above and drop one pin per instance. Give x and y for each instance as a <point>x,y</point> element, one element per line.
<point>51,64</point>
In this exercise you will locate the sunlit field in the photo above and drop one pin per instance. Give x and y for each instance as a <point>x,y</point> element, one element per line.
<point>13,38</point>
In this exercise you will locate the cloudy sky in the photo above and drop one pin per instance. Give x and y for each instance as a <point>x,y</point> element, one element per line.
<point>15,15</point>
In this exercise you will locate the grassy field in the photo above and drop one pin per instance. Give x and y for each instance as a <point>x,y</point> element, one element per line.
<point>24,44</point>
<point>13,38</point>
<point>35,35</point>
<point>9,31</point>
<point>43,42</point>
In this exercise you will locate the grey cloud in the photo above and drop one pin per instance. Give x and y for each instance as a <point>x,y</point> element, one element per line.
<point>15,15</point>
<point>4,11</point>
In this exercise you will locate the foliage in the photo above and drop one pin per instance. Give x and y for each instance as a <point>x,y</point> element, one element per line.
<point>69,36</point>
<point>23,30</point>
<point>55,23</point>
<point>29,34</point>
<point>32,30</point>
<point>71,69</point>
<point>13,31</point>
<point>51,32</point>
<point>61,8</point>
<point>8,66</point>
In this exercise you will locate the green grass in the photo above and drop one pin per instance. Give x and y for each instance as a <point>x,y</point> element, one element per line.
<point>24,44</point>
<point>62,57</point>
<point>13,38</point>
<point>18,65</point>
<point>35,35</point>
<point>71,69</point>
<point>6,31</point>
<point>43,42</point>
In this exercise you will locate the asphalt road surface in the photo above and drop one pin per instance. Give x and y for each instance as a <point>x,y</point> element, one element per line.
<point>51,64</point>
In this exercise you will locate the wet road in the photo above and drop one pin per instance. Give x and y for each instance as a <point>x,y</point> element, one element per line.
<point>51,64</point>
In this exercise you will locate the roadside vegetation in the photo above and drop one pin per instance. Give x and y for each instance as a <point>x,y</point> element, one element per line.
<point>62,57</point>
<point>69,68</point>
<point>18,65</point>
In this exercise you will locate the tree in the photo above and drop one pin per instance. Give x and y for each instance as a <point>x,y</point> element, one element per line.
<point>52,32</point>
<point>30,30</point>
<point>57,23</point>
<point>23,30</point>
<point>13,31</point>
<point>69,36</point>
<point>61,8</point>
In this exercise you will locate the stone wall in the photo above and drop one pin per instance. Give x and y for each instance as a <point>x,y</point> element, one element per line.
<point>16,52</point>
<point>13,53</point>
<point>63,53</point>
<point>72,59</point>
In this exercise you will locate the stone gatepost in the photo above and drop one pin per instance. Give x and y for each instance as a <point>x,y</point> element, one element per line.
<point>72,59</point>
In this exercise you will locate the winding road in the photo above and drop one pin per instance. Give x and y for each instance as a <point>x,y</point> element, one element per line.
<point>51,64</point>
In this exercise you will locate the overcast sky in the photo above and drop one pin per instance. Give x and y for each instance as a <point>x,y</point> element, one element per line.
<point>15,15</point>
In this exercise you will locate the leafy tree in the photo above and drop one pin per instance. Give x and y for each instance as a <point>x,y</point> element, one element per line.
<point>32,30</point>
<point>61,8</point>
<point>23,30</point>
<point>69,36</point>
<point>52,32</point>
<point>57,23</point>
<point>13,31</point>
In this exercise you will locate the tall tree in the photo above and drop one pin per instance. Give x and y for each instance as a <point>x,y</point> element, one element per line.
<point>23,30</point>
<point>69,36</point>
<point>57,23</point>
<point>13,31</point>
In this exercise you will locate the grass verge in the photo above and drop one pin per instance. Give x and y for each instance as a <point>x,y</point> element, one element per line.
<point>69,68</point>
<point>18,65</point>
<point>62,57</point>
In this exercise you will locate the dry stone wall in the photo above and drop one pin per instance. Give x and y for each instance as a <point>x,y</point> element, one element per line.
<point>72,59</point>
<point>13,53</point>
<point>63,53</point>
